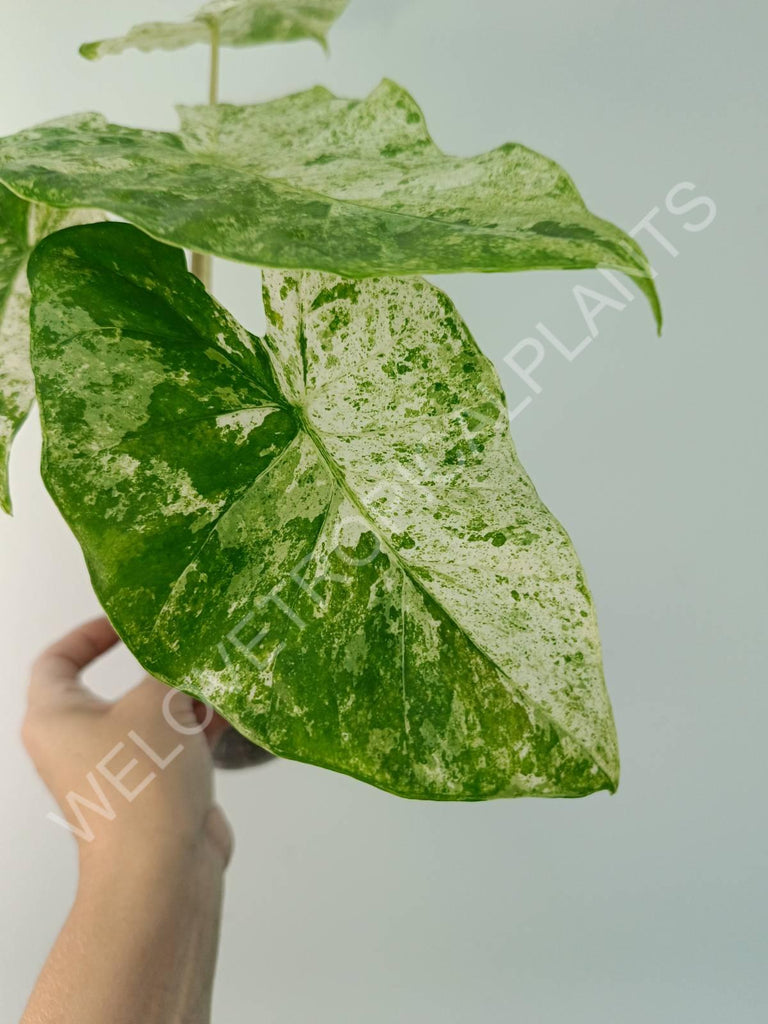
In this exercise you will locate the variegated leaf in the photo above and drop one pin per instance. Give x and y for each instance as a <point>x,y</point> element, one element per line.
<point>237,23</point>
<point>326,534</point>
<point>22,225</point>
<point>317,182</point>
<point>16,384</point>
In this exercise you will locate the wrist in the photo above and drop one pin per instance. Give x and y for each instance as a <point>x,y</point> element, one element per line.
<point>191,874</point>
<point>153,922</point>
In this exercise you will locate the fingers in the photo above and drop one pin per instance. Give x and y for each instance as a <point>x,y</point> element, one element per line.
<point>55,682</point>
<point>55,677</point>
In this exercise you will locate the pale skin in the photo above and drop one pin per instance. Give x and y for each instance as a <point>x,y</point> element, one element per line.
<point>141,938</point>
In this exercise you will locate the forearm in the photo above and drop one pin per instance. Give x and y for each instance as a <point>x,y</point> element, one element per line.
<point>139,945</point>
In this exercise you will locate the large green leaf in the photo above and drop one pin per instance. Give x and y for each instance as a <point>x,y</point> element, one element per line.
<point>317,182</point>
<point>238,23</point>
<point>22,225</point>
<point>326,534</point>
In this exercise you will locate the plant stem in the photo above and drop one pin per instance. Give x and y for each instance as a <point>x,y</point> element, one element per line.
<point>213,81</point>
<point>202,263</point>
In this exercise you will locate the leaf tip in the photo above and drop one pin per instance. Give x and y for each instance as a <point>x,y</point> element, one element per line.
<point>612,771</point>
<point>89,50</point>
<point>646,285</point>
<point>658,314</point>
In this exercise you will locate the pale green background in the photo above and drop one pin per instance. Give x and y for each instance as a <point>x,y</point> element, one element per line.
<point>345,904</point>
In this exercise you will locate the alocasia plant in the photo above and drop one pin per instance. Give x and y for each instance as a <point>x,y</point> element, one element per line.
<point>325,532</point>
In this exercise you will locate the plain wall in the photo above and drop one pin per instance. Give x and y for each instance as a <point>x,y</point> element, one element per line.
<point>345,904</point>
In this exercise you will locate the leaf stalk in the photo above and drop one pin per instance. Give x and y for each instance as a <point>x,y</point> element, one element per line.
<point>202,263</point>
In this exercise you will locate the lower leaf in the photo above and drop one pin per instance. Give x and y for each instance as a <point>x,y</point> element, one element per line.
<point>326,533</point>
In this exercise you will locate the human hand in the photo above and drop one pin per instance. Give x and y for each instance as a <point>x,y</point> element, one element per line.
<point>143,763</point>
<point>134,779</point>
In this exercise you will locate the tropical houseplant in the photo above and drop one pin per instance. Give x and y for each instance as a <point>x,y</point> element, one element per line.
<point>325,533</point>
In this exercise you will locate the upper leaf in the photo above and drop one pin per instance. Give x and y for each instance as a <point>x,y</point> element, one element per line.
<point>317,182</point>
<point>327,535</point>
<point>22,225</point>
<point>238,22</point>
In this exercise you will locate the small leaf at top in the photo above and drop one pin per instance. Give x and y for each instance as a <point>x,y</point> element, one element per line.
<point>312,181</point>
<point>22,225</point>
<point>239,23</point>
<point>325,534</point>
